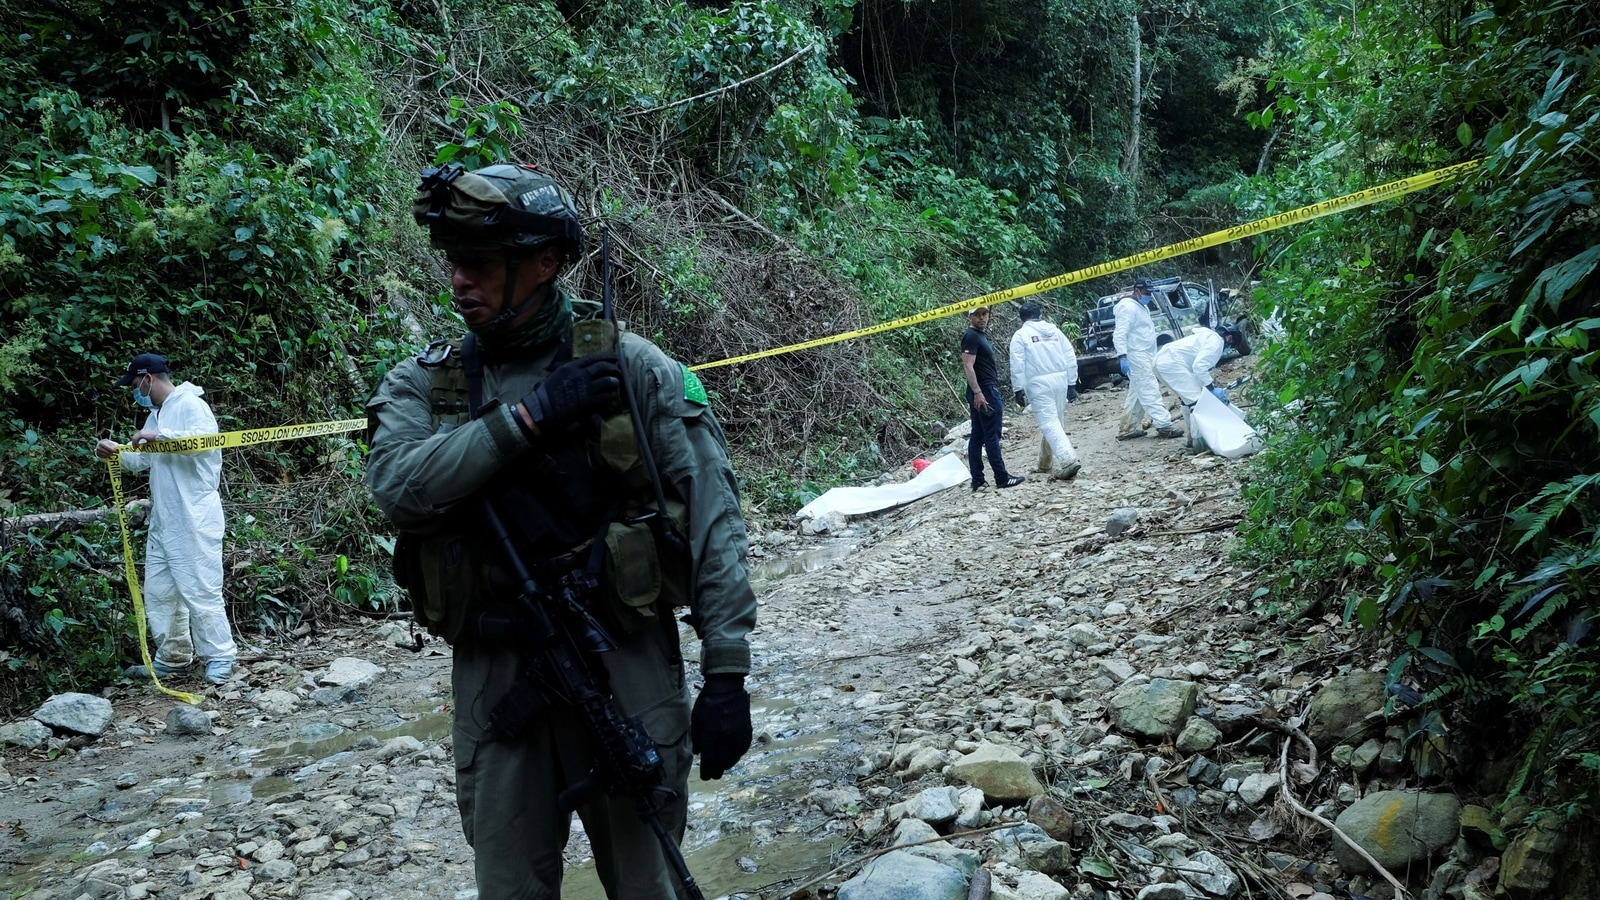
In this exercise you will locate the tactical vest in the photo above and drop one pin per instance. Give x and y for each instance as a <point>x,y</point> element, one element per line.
<point>581,500</point>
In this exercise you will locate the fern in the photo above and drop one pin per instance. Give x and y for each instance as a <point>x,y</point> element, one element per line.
<point>1531,751</point>
<point>1533,518</point>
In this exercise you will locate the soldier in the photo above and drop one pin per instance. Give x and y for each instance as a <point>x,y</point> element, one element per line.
<point>526,419</point>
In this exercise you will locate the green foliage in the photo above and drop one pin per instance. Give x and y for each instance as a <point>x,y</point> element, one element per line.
<point>1434,412</point>
<point>486,134</point>
<point>1036,98</point>
<point>83,628</point>
<point>224,219</point>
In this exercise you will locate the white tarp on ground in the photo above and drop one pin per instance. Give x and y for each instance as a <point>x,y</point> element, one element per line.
<point>1223,429</point>
<point>946,472</point>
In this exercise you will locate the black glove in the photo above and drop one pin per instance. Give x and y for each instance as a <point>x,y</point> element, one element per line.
<point>1021,398</point>
<point>719,727</point>
<point>1072,393</point>
<point>575,391</point>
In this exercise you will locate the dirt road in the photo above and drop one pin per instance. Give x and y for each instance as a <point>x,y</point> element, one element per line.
<point>1007,616</point>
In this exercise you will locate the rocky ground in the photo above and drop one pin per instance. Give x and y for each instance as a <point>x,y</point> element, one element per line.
<point>1057,690</point>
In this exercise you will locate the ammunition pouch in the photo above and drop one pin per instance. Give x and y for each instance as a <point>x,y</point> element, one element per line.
<point>640,581</point>
<point>441,575</point>
<point>630,581</point>
<point>555,504</point>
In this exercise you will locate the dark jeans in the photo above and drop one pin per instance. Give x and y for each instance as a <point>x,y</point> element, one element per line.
<point>986,436</point>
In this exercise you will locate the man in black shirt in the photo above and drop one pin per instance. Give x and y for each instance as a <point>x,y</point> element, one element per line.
<point>983,400</point>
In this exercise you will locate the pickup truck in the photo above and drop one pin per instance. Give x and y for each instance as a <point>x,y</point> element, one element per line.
<point>1180,306</point>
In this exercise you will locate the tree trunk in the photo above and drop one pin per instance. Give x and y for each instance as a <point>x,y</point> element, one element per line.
<point>136,511</point>
<point>1130,155</point>
<point>1261,164</point>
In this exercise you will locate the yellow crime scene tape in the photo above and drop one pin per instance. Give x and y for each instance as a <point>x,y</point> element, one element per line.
<point>245,438</point>
<point>1250,229</point>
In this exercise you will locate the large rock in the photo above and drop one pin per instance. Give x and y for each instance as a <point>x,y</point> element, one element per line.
<point>277,703</point>
<point>186,720</point>
<point>1028,847</point>
<point>1048,813</point>
<point>1206,871</point>
<point>1121,520</point>
<point>1234,719</point>
<point>78,713</point>
<point>1338,711</point>
<point>1154,710</point>
<point>1038,886</point>
<point>27,734</point>
<point>347,671</point>
<point>901,875</point>
<point>1259,787</point>
<point>939,804</point>
<point>1397,828</point>
<point>924,761</point>
<point>997,771</point>
<point>1198,736</point>
<point>920,839</point>
<point>1529,864</point>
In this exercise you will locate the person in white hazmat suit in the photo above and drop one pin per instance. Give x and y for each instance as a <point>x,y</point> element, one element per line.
<point>183,551</point>
<point>1185,364</point>
<point>1044,372</point>
<point>1134,339</point>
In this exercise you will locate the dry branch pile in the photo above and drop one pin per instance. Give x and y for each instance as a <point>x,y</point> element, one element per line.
<point>691,270</point>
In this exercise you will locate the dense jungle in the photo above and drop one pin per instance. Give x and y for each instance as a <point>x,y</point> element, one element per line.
<point>230,184</point>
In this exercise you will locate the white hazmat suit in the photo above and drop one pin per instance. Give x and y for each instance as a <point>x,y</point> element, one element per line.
<point>1185,366</point>
<point>1044,366</point>
<point>183,551</point>
<point>1134,336</point>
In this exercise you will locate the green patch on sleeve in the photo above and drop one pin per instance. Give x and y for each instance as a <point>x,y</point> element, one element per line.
<point>693,390</point>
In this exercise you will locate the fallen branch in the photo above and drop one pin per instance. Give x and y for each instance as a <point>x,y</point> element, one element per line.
<point>1214,526</point>
<point>742,216</point>
<point>1289,798</point>
<point>798,892</point>
<point>909,648</point>
<point>1285,728</point>
<point>134,509</point>
<point>721,90</point>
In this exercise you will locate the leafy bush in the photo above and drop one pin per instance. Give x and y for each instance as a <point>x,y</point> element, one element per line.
<point>130,224</point>
<point>1434,410</point>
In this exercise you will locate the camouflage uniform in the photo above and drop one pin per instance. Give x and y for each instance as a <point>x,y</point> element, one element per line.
<point>426,478</point>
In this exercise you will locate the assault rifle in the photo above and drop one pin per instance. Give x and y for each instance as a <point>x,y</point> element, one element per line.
<point>566,670</point>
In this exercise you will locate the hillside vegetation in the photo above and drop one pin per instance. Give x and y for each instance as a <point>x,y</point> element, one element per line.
<point>229,183</point>
<point>1435,408</point>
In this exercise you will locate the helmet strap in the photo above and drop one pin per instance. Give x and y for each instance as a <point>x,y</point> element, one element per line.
<point>509,309</point>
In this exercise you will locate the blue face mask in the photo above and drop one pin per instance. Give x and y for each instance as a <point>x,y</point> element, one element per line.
<point>143,399</point>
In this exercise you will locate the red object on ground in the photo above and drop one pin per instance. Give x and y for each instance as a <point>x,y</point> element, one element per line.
<point>917,465</point>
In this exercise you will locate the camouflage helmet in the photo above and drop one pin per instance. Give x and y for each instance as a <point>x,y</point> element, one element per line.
<point>503,207</point>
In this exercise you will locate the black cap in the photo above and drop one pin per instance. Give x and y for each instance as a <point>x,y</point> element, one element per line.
<point>1029,311</point>
<point>144,364</point>
<point>1143,283</point>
